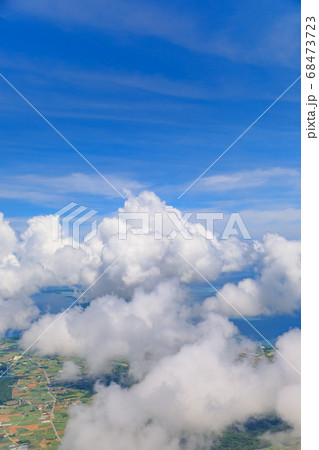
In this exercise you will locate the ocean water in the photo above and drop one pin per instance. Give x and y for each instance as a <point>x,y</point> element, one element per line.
<point>56,299</point>
<point>268,326</point>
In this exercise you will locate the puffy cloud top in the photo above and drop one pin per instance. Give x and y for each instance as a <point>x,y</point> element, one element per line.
<point>189,380</point>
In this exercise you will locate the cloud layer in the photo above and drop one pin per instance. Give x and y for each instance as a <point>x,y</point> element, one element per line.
<point>188,397</point>
<point>190,381</point>
<point>276,289</point>
<point>34,260</point>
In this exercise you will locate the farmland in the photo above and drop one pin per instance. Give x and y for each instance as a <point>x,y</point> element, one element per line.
<point>33,403</point>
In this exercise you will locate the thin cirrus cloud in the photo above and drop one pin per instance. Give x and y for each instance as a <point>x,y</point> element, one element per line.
<point>160,90</point>
<point>188,28</point>
<point>37,188</point>
<point>249,179</point>
<point>47,71</point>
<point>287,220</point>
<point>45,190</point>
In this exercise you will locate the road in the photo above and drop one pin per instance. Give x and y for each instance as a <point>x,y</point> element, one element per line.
<point>50,393</point>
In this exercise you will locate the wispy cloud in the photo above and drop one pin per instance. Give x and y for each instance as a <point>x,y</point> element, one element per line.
<point>41,72</point>
<point>186,27</point>
<point>250,179</point>
<point>285,221</point>
<point>46,190</point>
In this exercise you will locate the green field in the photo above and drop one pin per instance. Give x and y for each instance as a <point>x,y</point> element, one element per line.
<point>34,404</point>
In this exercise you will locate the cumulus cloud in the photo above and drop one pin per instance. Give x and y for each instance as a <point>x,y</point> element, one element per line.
<point>16,314</point>
<point>190,383</point>
<point>69,372</point>
<point>152,323</point>
<point>289,399</point>
<point>39,261</point>
<point>187,398</point>
<point>35,260</point>
<point>276,289</point>
<point>8,239</point>
<point>148,260</point>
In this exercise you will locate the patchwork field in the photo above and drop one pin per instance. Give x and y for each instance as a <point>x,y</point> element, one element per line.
<point>33,404</point>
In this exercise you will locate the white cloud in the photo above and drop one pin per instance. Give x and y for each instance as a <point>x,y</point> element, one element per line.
<point>55,191</point>
<point>39,261</point>
<point>70,372</point>
<point>189,380</point>
<point>275,290</point>
<point>35,260</point>
<point>190,395</point>
<point>191,31</point>
<point>249,179</point>
<point>16,314</point>
<point>155,322</point>
<point>8,238</point>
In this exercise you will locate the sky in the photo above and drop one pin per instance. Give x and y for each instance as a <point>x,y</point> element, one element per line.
<point>151,93</point>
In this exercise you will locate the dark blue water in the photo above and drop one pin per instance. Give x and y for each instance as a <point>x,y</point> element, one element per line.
<point>54,300</point>
<point>269,326</point>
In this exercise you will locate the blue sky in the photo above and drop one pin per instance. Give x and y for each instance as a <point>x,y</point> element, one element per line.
<point>152,93</point>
